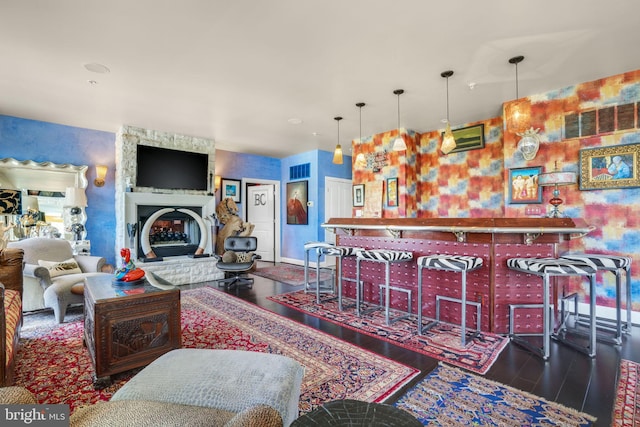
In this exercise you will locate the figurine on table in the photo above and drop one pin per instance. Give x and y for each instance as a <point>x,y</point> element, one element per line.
<point>128,272</point>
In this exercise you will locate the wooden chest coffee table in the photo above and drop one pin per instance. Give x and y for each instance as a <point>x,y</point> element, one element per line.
<point>127,326</point>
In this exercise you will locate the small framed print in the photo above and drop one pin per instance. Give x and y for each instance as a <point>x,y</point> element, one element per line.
<point>358,195</point>
<point>392,192</point>
<point>231,189</point>
<point>523,185</point>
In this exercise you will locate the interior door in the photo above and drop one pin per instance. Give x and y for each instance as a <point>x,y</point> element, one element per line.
<point>262,214</point>
<point>337,202</point>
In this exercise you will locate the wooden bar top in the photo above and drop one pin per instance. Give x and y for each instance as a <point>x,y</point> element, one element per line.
<point>529,229</point>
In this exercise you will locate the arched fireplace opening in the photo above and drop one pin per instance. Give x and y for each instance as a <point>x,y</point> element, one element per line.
<point>166,232</point>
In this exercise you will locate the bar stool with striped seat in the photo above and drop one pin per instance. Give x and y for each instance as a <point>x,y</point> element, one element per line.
<point>340,252</point>
<point>315,246</point>
<point>387,257</point>
<point>616,265</point>
<point>553,267</point>
<point>459,264</point>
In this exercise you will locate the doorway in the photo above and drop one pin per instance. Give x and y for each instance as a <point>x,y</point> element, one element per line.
<point>337,202</point>
<point>262,209</point>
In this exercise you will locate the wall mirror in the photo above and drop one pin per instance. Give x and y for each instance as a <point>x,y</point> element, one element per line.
<point>45,182</point>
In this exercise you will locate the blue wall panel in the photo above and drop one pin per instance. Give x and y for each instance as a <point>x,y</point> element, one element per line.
<point>25,139</point>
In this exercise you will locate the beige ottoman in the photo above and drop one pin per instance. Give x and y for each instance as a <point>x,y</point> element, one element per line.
<point>230,380</point>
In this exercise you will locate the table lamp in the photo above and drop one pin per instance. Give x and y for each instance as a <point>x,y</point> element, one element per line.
<point>75,199</point>
<point>556,179</point>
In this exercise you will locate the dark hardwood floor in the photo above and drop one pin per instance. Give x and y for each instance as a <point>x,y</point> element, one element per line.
<point>569,377</point>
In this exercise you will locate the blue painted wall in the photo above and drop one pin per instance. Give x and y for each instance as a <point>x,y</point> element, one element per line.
<point>25,139</point>
<point>295,235</point>
<point>238,165</point>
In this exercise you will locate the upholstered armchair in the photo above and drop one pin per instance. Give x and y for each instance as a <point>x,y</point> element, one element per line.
<point>53,276</point>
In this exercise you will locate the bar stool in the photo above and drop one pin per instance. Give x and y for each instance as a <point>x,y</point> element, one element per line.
<point>387,257</point>
<point>459,264</point>
<point>616,265</point>
<point>314,246</point>
<point>340,252</point>
<point>546,268</point>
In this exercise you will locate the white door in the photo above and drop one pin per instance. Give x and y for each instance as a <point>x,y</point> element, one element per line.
<point>337,202</point>
<point>261,213</point>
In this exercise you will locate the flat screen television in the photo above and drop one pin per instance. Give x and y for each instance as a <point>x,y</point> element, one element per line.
<point>163,168</point>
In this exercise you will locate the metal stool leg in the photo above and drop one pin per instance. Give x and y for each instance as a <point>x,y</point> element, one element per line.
<point>359,289</point>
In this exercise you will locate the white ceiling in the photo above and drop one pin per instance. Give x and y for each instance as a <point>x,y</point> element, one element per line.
<point>238,70</point>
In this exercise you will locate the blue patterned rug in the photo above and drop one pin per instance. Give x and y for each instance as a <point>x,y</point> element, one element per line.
<point>451,397</point>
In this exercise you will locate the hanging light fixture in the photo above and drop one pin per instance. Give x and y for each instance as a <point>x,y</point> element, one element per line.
<point>361,161</point>
<point>448,141</point>
<point>398,143</point>
<point>516,116</point>
<point>337,153</point>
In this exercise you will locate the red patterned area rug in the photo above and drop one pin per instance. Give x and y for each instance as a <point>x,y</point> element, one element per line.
<point>626,410</point>
<point>53,364</point>
<point>455,398</point>
<point>289,274</point>
<point>441,342</point>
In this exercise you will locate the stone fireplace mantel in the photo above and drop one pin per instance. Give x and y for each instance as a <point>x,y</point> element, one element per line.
<point>177,270</point>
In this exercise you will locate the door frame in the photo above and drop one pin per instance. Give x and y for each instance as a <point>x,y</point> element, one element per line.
<point>276,199</point>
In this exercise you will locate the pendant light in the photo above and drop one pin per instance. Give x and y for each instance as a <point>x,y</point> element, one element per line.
<point>361,161</point>
<point>398,143</point>
<point>337,154</point>
<point>448,141</point>
<point>515,115</point>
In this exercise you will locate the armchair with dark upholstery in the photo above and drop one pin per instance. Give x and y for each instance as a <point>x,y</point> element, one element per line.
<point>238,259</point>
<point>41,290</point>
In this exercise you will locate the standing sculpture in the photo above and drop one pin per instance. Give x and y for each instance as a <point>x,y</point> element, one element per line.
<point>227,213</point>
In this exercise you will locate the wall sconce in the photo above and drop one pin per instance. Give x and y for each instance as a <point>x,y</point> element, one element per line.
<point>217,182</point>
<point>101,173</point>
<point>529,143</point>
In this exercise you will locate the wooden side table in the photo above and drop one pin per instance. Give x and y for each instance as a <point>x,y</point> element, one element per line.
<point>127,327</point>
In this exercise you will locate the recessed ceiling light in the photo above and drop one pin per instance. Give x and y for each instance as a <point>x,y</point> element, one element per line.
<point>97,68</point>
<point>316,133</point>
<point>295,121</point>
<point>92,82</point>
<point>472,85</point>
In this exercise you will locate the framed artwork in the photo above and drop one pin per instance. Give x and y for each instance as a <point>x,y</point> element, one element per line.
<point>231,188</point>
<point>358,195</point>
<point>297,198</point>
<point>392,192</point>
<point>610,167</point>
<point>469,138</point>
<point>524,186</point>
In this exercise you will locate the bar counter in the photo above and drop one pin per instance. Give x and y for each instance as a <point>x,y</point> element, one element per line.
<point>493,239</point>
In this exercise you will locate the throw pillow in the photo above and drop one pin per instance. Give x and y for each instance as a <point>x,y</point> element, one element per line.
<point>244,257</point>
<point>60,268</point>
<point>229,256</point>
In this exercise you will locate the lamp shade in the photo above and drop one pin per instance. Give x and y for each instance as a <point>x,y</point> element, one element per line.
<point>557,178</point>
<point>337,155</point>
<point>30,203</point>
<point>399,144</point>
<point>75,196</point>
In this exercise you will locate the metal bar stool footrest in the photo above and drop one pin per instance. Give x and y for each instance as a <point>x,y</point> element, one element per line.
<point>395,288</point>
<point>602,325</point>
